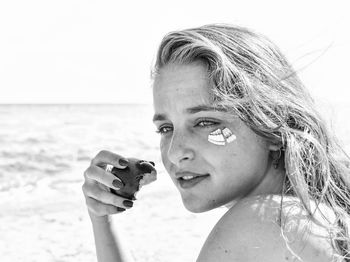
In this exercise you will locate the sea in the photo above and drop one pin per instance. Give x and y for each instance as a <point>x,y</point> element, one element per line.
<point>47,140</point>
<point>44,151</point>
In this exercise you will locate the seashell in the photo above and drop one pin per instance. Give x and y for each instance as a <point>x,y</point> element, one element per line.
<point>216,137</point>
<point>137,172</point>
<point>148,178</point>
<point>226,132</point>
<point>230,137</point>
<point>220,143</point>
<point>216,132</point>
<point>221,137</point>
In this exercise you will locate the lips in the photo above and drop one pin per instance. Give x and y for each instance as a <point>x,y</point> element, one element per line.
<point>185,175</point>
<point>187,180</point>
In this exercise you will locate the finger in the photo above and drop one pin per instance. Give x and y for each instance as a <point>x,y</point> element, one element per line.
<point>105,178</point>
<point>107,197</point>
<point>107,157</point>
<point>101,209</point>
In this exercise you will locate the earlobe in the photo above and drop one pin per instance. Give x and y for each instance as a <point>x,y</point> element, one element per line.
<point>274,147</point>
<point>276,156</point>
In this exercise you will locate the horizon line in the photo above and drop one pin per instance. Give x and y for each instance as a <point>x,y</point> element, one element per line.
<point>74,103</point>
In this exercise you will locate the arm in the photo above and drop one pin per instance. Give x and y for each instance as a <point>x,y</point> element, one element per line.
<point>102,204</point>
<point>107,245</point>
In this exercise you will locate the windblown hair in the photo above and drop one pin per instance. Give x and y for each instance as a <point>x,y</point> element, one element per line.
<point>253,80</point>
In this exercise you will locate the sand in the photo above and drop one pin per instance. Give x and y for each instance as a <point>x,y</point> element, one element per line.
<point>49,222</point>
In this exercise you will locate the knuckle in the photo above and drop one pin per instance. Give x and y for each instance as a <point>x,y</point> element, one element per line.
<point>112,209</point>
<point>102,153</point>
<point>83,188</point>
<point>115,201</point>
<point>109,198</point>
<point>98,194</point>
<point>98,156</point>
<point>91,173</point>
<point>88,202</point>
<point>86,173</point>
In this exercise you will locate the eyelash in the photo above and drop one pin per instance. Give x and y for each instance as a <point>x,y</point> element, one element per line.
<point>159,130</point>
<point>198,124</point>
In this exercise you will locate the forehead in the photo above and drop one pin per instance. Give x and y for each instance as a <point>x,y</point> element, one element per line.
<point>187,84</point>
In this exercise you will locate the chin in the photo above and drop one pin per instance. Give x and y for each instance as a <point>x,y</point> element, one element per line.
<point>197,207</point>
<point>231,204</point>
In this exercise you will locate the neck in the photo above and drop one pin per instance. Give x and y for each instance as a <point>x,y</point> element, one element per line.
<point>271,184</point>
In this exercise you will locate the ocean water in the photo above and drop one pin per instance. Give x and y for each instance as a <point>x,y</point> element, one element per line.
<point>48,140</point>
<point>44,150</point>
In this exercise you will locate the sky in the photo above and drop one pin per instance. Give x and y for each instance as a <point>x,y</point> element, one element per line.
<point>83,51</point>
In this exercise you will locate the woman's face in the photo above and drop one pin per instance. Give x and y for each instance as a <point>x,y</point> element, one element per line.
<point>184,116</point>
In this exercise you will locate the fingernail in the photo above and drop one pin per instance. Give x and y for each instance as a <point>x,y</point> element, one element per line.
<point>117,184</point>
<point>123,162</point>
<point>128,203</point>
<point>120,209</point>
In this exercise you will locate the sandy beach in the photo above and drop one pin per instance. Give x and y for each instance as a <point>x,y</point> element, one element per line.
<point>50,223</point>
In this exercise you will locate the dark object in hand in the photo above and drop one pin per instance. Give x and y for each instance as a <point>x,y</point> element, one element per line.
<point>132,175</point>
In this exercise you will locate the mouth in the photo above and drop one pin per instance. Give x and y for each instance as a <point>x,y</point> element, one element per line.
<point>188,179</point>
<point>184,175</point>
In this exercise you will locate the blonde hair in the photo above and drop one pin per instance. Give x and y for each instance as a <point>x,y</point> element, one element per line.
<point>252,79</point>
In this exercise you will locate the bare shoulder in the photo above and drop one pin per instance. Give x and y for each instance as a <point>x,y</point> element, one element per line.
<point>253,231</point>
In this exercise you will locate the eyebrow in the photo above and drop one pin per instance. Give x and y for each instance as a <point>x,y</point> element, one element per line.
<point>192,110</point>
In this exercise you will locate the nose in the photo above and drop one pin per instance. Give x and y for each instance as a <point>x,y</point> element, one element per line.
<point>180,149</point>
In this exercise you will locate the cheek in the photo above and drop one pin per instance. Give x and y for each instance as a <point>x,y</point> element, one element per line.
<point>164,147</point>
<point>253,155</point>
<point>242,157</point>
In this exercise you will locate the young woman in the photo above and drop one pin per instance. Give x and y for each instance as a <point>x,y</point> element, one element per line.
<point>237,128</point>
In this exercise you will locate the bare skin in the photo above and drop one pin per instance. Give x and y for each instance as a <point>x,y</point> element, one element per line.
<point>101,203</point>
<point>183,115</point>
<point>239,175</point>
<point>252,231</point>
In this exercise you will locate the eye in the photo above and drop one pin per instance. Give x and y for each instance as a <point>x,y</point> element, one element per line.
<point>206,123</point>
<point>164,129</point>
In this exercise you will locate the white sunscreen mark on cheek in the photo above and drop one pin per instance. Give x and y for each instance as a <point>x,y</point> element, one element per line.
<point>221,137</point>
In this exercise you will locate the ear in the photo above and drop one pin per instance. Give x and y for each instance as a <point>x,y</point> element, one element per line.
<point>274,147</point>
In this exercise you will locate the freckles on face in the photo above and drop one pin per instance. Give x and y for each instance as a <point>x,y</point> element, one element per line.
<point>222,159</point>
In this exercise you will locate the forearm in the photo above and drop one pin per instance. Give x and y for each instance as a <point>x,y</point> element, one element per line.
<point>107,247</point>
